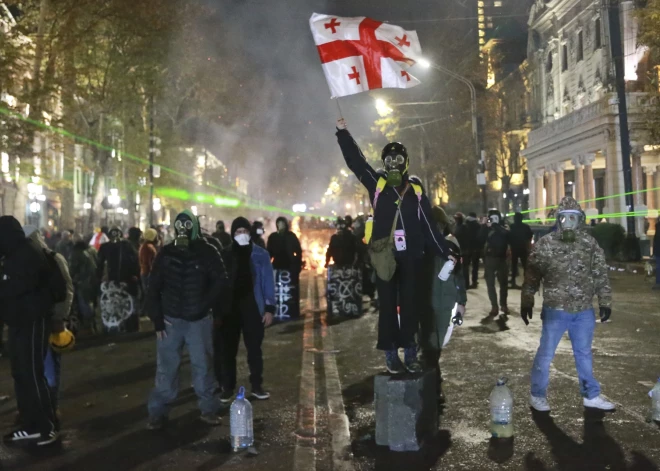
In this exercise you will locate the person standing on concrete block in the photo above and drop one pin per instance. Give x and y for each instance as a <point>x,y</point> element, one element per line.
<point>572,267</point>
<point>443,297</point>
<point>496,249</point>
<point>402,225</point>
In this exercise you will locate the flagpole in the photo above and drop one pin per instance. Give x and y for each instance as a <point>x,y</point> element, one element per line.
<point>341,115</point>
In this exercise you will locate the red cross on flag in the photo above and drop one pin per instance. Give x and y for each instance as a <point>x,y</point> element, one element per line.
<point>360,54</point>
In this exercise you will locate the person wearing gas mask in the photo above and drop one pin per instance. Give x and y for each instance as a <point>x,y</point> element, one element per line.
<point>257,234</point>
<point>496,248</point>
<point>221,234</point>
<point>187,277</point>
<point>249,311</point>
<point>123,275</point>
<point>401,228</point>
<point>572,267</point>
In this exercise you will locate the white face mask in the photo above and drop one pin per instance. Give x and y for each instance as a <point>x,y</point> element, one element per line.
<point>242,239</point>
<point>260,231</point>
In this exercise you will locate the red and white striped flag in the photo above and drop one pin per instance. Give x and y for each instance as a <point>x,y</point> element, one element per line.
<point>360,54</point>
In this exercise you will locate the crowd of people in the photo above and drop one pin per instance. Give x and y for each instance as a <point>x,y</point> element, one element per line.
<point>201,291</point>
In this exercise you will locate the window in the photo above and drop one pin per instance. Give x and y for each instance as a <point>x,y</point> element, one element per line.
<point>489,25</point>
<point>564,57</point>
<point>548,63</point>
<point>480,11</point>
<point>597,37</point>
<point>580,47</point>
<point>497,4</point>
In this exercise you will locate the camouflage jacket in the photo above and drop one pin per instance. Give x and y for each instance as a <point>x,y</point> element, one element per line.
<point>572,273</point>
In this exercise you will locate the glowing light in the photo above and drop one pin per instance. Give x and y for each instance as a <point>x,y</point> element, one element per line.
<point>35,207</point>
<point>157,205</point>
<point>114,199</point>
<point>424,63</point>
<point>41,197</point>
<point>348,205</point>
<point>383,108</point>
<point>299,208</point>
<point>194,210</point>
<point>87,206</point>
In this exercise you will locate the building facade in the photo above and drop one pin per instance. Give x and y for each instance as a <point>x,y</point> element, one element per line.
<point>575,146</point>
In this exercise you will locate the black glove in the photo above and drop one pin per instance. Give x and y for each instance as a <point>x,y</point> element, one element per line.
<point>605,313</point>
<point>526,314</point>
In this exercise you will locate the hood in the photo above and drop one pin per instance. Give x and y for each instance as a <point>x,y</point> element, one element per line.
<point>239,223</point>
<point>195,230</point>
<point>285,220</point>
<point>33,233</point>
<point>568,203</point>
<point>134,234</point>
<point>11,234</point>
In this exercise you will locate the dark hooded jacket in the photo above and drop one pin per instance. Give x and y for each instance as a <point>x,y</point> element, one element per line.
<point>186,282</point>
<point>24,272</point>
<point>122,263</point>
<point>415,213</point>
<point>223,237</point>
<point>285,250</point>
<point>521,234</point>
<point>343,249</point>
<point>257,239</point>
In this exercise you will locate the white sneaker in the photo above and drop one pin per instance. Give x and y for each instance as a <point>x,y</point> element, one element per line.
<point>599,402</point>
<point>539,403</point>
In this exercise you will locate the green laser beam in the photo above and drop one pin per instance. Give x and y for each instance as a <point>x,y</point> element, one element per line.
<point>600,216</point>
<point>221,200</point>
<point>600,198</point>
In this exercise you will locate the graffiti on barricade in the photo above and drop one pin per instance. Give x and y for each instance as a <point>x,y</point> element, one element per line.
<point>116,303</point>
<point>344,291</point>
<point>286,296</point>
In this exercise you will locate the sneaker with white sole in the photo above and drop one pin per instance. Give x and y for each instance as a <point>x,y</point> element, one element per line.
<point>48,438</point>
<point>260,394</point>
<point>20,435</point>
<point>599,402</point>
<point>539,403</point>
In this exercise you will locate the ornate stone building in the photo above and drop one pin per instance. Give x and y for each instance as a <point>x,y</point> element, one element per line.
<point>575,145</point>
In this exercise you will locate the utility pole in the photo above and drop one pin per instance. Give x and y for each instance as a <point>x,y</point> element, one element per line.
<point>152,152</point>
<point>617,57</point>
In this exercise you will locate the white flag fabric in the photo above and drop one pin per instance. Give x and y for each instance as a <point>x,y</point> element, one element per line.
<point>361,54</point>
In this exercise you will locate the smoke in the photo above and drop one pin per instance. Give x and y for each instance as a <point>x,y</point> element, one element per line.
<point>277,125</point>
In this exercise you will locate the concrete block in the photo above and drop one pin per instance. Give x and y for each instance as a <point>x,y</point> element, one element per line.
<point>406,410</point>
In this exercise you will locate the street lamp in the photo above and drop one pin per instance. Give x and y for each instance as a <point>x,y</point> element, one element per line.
<point>383,108</point>
<point>473,97</point>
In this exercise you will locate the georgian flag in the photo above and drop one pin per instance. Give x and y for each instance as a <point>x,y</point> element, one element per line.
<point>360,54</point>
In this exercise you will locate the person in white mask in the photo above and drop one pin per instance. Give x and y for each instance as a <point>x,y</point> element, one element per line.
<point>250,310</point>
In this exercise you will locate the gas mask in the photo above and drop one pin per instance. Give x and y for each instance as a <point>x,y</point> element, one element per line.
<point>568,222</point>
<point>115,234</point>
<point>395,161</point>
<point>183,227</point>
<point>494,219</point>
<point>242,239</point>
<point>396,168</point>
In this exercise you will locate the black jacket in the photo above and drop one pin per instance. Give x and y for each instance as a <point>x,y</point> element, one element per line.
<point>285,250</point>
<point>521,236</point>
<point>416,215</point>
<point>224,238</point>
<point>498,241</point>
<point>185,283</point>
<point>24,272</point>
<point>342,249</point>
<point>123,264</point>
<point>467,235</point>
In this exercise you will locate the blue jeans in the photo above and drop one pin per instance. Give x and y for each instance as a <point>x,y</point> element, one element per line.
<point>580,328</point>
<point>52,369</point>
<point>197,337</point>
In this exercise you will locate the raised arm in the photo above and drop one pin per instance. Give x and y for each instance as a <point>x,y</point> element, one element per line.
<point>355,159</point>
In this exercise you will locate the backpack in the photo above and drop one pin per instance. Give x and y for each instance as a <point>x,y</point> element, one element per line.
<point>56,282</point>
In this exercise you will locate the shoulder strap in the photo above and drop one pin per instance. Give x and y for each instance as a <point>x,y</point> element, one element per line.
<point>380,186</point>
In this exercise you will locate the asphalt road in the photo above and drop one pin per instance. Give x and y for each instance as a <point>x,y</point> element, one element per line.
<point>320,416</point>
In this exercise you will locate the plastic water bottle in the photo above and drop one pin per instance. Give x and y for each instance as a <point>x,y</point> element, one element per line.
<point>501,410</point>
<point>446,270</point>
<point>240,422</point>
<point>655,401</point>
